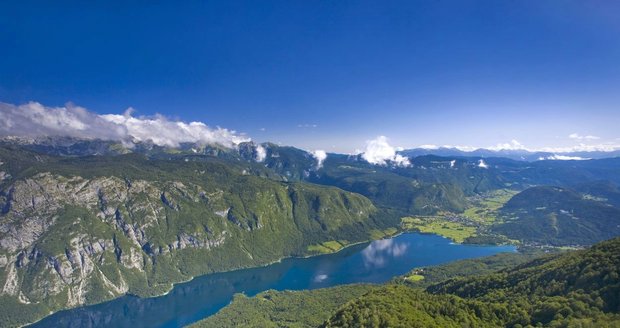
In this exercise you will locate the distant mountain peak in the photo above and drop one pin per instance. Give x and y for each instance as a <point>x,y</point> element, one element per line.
<point>515,154</point>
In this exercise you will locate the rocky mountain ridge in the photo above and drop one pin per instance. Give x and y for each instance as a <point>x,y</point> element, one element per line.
<point>70,240</point>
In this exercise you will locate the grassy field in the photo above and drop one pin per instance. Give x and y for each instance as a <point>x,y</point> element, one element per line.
<point>376,234</point>
<point>333,246</point>
<point>437,225</point>
<point>458,227</point>
<point>474,221</point>
<point>328,246</point>
<point>320,249</point>
<point>485,207</point>
<point>414,277</point>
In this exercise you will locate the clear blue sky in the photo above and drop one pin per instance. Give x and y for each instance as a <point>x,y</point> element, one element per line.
<point>420,72</point>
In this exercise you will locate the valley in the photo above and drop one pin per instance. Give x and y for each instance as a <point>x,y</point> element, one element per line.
<point>363,264</point>
<point>310,164</point>
<point>79,228</point>
<point>528,289</point>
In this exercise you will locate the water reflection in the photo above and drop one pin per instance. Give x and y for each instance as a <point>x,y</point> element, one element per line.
<point>374,262</point>
<point>320,277</point>
<point>379,251</point>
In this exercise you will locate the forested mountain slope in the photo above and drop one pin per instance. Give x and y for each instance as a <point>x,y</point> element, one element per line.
<point>77,231</point>
<point>579,288</point>
<point>83,221</point>
<point>559,216</point>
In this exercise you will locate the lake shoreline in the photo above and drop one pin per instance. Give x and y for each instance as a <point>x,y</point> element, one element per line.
<point>446,241</point>
<point>175,284</point>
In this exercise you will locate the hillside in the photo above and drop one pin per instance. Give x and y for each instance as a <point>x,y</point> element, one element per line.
<point>579,288</point>
<point>77,231</point>
<point>310,308</point>
<point>82,222</point>
<point>302,309</point>
<point>558,216</point>
<point>517,154</point>
<point>569,289</point>
<point>602,190</point>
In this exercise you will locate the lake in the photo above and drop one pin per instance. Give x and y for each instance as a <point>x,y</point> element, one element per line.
<point>374,262</point>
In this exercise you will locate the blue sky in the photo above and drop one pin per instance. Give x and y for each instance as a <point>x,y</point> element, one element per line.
<point>329,74</point>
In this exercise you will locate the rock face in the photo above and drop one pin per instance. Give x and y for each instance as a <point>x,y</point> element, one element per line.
<point>66,252</point>
<point>67,240</point>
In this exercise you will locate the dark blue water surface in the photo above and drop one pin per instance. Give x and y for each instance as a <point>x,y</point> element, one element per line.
<point>374,262</point>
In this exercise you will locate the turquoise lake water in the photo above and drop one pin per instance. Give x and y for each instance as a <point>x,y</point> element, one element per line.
<point>373,262</point>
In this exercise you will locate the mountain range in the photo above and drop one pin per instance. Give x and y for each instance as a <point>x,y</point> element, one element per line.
<point>85,221</point>
<point>516,154</point>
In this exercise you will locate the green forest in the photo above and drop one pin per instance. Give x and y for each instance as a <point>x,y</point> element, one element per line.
<point>529,289</point>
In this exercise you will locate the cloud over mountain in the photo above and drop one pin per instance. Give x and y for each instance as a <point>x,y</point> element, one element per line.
<point>320,156</point>
<point>35,120</point>
<point>563,158</point>
<point>512,145</point>
<point>577,136</point>
<point>261,153</point>
<point>379,152</point>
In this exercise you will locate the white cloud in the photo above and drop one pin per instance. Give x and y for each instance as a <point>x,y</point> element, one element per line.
<point>512,145</point>
<point>482,164</point>
<point>461,148</point>
<point>452,162</point>
<point>307,125</point>
<point>35,120</point>
<point>400,160</point>
<point>379,152</point>
<point>556,157</point>
<point>516,145</point>
<point>320,156</point>
<point>261,153</point>
<point>605,147</point>
<point>576,136</point>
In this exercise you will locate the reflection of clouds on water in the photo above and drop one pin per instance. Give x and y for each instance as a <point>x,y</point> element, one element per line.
<point>379,251</point>
<point>320,277</point>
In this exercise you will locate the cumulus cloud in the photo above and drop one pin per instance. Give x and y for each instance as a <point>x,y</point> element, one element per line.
<point>577,136</point>
<point>482,164</point>
<point>320,156</point>
<point>35,120</point>
<point>379,152</point>
<point>261,153</point>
